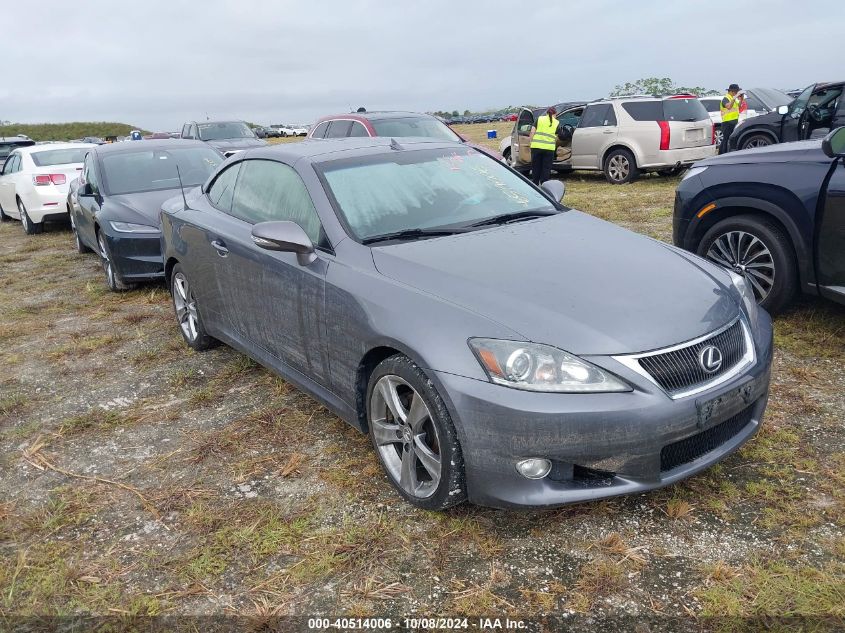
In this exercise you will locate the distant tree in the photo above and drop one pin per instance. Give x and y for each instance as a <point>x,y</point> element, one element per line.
<point>455,114</point>
<point>658,86</point>
<point>467,112</point>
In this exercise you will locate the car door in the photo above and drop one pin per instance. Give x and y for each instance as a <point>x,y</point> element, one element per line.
<point>596,130</point>
<point>89,202</point>
<point>520,143</point>
<point>570,117</point>
<point>794,122</point>
<point>270,299</point>
<point>830,250</point>
<point>7,185</point>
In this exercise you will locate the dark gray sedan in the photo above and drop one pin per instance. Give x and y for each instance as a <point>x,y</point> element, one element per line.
<point>495,345</point>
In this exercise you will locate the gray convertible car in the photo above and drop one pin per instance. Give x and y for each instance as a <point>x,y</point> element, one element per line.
<point>496,345</point>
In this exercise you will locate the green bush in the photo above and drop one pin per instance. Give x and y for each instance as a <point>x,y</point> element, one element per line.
<point>67,131</point>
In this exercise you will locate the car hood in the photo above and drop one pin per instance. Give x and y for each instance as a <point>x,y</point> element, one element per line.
<point>235,144</point>
<point>141,208</point>
<point>779,153</point>
<point>570,280</point>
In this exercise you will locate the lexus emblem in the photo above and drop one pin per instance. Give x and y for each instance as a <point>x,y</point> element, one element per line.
<point>710,359</point>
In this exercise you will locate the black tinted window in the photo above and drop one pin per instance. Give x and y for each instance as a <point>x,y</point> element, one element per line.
<point>754,103</point>
<point>684,110</point>
<point>644,110</point>
<point>222,189</point>
<point>338,129</point>
<point>89,173</point>
<point>224,130</point>
<point>597,116</point>
<point>155,169</point>
<point>320,130</point>
<point>268,190</point>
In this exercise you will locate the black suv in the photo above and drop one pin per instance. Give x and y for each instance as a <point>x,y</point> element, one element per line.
<point>775,215</point>
<point>817,110</point>
<point>9,143</point>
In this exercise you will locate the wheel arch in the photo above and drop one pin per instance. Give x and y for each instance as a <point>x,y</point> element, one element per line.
<point>756,131</point>
<point>168,269</point>
<point>617,145</point>
<point>738,205</point>
<point>366,366</point>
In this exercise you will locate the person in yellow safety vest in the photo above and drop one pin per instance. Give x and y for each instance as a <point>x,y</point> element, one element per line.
<point>543,139</point>
<point>729,108</point>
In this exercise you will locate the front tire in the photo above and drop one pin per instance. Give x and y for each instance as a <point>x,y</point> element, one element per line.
<point>758,250</point>
<point>113,279</point>
<point>29,227</point>
<point>756,140</point>
<point>188,313</point>
<point>620,167</point>
<point>413,435</point>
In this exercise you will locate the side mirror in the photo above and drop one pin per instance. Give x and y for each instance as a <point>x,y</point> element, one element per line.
<point>784,109</point>
<point>833,144</point>
<point>286,237</point>
<point>555,188</point>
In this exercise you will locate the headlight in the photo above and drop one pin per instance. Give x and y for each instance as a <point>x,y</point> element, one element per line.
<point>748,298</point>
<point>129,227</point>
<point>535,367</point>
<point>693,172</point>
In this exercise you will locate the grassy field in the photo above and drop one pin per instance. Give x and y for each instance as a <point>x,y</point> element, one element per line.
<point>140,478</point>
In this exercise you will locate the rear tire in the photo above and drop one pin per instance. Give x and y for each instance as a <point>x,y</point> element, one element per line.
<point>29,227</point>
<point>413,435</point>
<point>772,256</point>
<point>188,314</point>
<point>80,246</point>
<point>756,140</point>
<point>620,167</point>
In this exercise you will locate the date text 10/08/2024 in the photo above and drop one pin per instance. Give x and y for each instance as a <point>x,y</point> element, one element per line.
<point>488,624</point>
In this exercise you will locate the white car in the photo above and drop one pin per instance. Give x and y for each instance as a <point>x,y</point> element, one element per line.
<point>298,130</point>
<point>283,130</point>
<point>34,183</point>
<point>759,100</point>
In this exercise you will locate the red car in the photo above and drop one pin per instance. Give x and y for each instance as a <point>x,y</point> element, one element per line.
<point>390,123</point>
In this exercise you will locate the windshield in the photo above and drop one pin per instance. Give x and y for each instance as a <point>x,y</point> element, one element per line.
<point>224,130</point>
<point>59,156</point>
<point>414,126</point>
<point>711,105</point>
<point>426,189</point>
<point>155,169</point>
<point>772,98</point>
<point>684,110</point>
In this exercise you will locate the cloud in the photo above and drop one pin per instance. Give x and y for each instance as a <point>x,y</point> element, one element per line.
<point>158,63</point>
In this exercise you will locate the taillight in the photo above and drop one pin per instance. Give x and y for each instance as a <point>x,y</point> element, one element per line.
<point>39,180</point>
<point>664,134</point>
<point>713,140</point>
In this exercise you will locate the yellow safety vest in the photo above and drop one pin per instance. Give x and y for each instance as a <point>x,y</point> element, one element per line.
<point>544,136</point>
<point>732,113</point>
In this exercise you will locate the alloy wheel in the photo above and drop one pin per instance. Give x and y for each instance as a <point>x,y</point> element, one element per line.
<point>407,439</point>
<point>618,167</point>
<point>186,306</point>
<point>719,138</point>
<point>757,142</point>
<point>24,217</point>
<point>748,256</point>
<point>107,263</point>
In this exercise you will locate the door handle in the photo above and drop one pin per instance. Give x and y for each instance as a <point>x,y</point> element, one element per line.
<point>220,247</point>
<point>607,131</point>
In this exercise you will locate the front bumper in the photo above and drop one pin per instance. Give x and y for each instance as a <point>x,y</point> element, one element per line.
<point>136,257</point>
<point>601,445</point>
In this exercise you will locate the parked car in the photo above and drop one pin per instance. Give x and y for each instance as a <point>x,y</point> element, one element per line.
<point>260,132</point>
<point>121,189</point>
<point>621,137</point>
<point>389,123</point>
<point>94,140</point>
<point>759,101</point>
<point>157,136</point>
<point>229,137</point>
<point>34,183</point>
<point>415,289</point>
<point>774,215</point>
<point>9,143</point>
<point>283,131</point>
<point>817,110</point>
<point>299,130</point>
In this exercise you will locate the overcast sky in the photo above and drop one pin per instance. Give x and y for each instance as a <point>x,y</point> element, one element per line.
<point>158,63</point>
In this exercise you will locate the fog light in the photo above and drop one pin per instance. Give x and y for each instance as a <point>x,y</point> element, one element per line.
<point>536,468</point>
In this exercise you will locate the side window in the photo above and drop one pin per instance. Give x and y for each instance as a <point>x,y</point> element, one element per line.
<point>644,110</point>
<point>90,174</point>
<point>338,129</point>
<point>12,164</point>
<point>186,130</point>
<point>320,130</point>
<point>524,123</point>
<point>570,117</point>
<point>358,129</point>
<point>597,116</point>
<point>268,190</point>
<point>222,189</point>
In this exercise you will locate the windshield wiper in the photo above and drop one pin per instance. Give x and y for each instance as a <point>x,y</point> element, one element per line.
<point>513,217</point>
<point>409,234</point>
